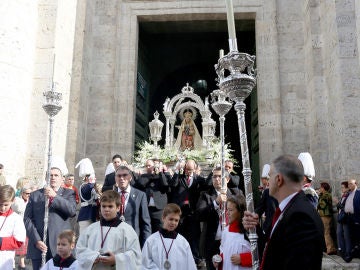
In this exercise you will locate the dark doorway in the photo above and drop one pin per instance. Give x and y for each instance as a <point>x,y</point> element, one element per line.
<point>172,54</point>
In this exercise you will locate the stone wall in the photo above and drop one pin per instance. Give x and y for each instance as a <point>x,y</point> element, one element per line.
<point>17,55</point>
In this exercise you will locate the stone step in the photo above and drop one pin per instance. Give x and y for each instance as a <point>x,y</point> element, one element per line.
<point>335,262</point>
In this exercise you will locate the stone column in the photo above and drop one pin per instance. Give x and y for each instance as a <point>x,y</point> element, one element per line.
<point>268,83</point>
<point>18,28</point>
<point>349,72</point>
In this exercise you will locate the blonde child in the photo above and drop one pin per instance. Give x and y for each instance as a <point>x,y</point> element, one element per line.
<point>63,260</point>
<point>167,249</point>
<point>109,243</point>
<point>235,249</point>
<point>12,229</point>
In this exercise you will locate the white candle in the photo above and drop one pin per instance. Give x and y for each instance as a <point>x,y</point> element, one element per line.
<point>221,53</point>
<point>230,19</point>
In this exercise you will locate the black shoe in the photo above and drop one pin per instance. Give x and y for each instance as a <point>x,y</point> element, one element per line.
<point>347,259</point>
<point>21,268</point>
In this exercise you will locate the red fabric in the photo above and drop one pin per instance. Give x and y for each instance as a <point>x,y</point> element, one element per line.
<point>234,227</point>
<point>21,251</point>
<point>188,181</point>
<point>7,213</point>
<point>77,198</point>
<point>123,199</point>
<point>221,263</point>
<point>10,243</point>
<point>276,216</point>
<point>245,259</point>
<point>50,200</point>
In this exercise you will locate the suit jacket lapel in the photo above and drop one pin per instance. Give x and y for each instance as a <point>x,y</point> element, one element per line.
<point>131,200</point>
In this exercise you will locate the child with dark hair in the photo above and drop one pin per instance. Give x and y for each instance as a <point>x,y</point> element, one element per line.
<point>12,229</point>
<point>109,243</point>
<point>167,249</point>
<point>235,249</point>
<point>63,260</point>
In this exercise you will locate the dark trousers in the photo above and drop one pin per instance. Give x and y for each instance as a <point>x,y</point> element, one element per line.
<point>189,227</point>
<point>155,216</point>
<point>36,263</point>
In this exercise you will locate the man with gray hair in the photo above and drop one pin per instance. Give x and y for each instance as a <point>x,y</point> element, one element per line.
<point>296,240</point>
<point>62,207</point>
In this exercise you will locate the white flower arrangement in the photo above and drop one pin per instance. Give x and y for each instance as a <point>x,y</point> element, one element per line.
<point>210,155</point>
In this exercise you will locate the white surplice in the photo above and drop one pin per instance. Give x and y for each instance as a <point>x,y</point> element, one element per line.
<point>121,240</point>
<point>154,255</point>
<point>12,225</point>
<point>233,243</point>
<point>50,266</point>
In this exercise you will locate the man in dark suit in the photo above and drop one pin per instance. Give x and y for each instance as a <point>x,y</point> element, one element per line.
<point>135,210</point>
<point>62,206</point>
<point>109,181</point>
<point>234,179</point>
<point>296,240</point>
<point>352,224</point>
<point>185,192</point>
<point>209,210</point>
<point>155,184</point>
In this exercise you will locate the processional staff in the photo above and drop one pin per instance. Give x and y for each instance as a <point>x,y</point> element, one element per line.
<point>221,106</point>
<point>237,86</point>
<point>51,106</point>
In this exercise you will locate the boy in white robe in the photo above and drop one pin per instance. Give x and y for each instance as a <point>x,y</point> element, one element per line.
<point>109,243</point>
<point>12,228</point>
<point>63,259</point>
<point>167,249</point>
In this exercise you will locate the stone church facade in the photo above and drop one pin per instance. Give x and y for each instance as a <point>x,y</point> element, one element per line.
<point>308,86</point>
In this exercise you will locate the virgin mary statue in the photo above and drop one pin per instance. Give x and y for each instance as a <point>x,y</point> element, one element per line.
<point>188,137</point>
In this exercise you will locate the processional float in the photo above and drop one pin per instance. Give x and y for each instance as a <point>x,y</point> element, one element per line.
<point>236,86</point>
<point>51,106</point>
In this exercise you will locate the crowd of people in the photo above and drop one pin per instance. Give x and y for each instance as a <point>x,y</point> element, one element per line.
<point>176,219</point>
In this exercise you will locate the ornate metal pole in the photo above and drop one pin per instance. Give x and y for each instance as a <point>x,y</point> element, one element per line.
<point>51,106</point>
<point>238,86</point>
<point>221,106</point>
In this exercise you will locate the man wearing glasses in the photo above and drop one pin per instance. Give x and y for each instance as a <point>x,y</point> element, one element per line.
<point>134,209</point>
<point>209,209</point>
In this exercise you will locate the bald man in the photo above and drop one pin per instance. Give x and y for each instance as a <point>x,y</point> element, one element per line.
<point>185,192</point>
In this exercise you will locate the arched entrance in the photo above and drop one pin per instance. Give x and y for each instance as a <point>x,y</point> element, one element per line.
<point>172,54</point>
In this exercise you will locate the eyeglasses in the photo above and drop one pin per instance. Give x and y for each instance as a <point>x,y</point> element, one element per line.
<point>27,193</point>
<point>122,175</point>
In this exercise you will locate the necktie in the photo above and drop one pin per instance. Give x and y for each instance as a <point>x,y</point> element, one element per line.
<point>188,181</point>
<point>186,201</point>
<point>276,216</point>
<point>123,199</point>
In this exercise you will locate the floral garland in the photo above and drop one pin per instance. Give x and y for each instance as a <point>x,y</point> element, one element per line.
<point>211,155</point>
